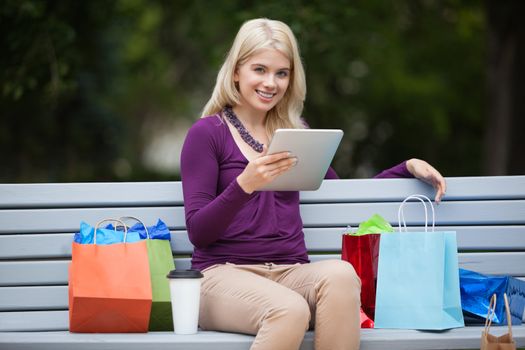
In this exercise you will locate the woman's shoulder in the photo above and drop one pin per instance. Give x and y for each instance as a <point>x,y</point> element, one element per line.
<point>209,123</point>
<point>210,129</point>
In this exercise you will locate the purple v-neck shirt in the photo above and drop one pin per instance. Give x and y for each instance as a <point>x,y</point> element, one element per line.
<point>224,223</point>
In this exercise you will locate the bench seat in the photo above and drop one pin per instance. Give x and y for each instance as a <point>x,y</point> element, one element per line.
<point>37,223</point>
<point>371,339</point>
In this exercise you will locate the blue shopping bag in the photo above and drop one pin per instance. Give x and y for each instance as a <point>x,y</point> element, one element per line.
<point>478,289</point>
<point>417,279</point>
<point>112,235</point>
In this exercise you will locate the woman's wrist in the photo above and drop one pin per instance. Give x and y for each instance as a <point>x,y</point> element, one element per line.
<point>410,165</point>
<point>244,185</point>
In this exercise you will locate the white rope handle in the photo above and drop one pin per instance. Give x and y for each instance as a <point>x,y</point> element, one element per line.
<point>507,310</point>
<point>431,208</point>
<point>421,198</point>
<point>401,214</point>
<point>110,220</point>
<point>490,314</point>
<point>138,220</point>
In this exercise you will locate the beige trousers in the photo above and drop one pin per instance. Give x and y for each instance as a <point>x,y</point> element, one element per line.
<point>278,303</point>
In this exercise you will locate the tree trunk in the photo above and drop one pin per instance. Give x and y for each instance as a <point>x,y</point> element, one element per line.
<point>504,141</point>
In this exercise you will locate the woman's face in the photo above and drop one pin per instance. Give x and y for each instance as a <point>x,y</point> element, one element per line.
<point>263,80</point>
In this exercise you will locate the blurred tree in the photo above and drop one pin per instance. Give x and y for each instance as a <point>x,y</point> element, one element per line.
<point>85,90</point>
<point>402,78</point>
<point>56,68</point>
<point>166,60</point>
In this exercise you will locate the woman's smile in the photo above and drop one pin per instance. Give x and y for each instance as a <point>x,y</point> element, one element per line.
<point>265,95</point>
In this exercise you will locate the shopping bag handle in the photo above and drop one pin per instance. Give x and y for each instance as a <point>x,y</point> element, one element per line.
<point>138,220</point>
<point>109,220</point>
<point>492,312</point>
<point>507,310</point>
<point>421,198</point>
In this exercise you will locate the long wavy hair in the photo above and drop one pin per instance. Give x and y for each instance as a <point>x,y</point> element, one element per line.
<point>254,35</point>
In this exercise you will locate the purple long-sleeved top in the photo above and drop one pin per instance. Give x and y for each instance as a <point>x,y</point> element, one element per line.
<point>224,223</point>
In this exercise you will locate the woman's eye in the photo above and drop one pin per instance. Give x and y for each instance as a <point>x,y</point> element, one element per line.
<point>282,74</point>
<point>259,69</point>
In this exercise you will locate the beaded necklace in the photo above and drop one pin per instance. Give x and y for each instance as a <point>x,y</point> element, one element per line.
<point>245,135</point>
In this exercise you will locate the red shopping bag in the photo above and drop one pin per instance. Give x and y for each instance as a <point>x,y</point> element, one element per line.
<point>365,321</point>
<point>109,288</point>
<point>363,252</point>
<point>361,249</point>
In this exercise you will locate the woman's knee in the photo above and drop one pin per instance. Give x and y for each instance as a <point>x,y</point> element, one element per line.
<point>341,274</point>
<point>293,312</point>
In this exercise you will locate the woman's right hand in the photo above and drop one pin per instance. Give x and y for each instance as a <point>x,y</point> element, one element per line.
<point>264,169</point>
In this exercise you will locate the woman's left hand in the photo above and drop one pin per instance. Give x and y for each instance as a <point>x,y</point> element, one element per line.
<point>427,173</point>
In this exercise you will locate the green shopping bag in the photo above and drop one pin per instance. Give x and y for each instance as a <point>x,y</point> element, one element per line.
<point>161,263</point>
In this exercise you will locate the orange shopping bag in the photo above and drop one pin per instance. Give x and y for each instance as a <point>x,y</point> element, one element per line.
<point>109,287</point>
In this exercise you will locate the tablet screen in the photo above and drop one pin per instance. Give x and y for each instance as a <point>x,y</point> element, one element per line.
<point>314,149</point>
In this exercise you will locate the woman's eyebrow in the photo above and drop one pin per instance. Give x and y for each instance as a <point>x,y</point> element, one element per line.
<point>264,66</point>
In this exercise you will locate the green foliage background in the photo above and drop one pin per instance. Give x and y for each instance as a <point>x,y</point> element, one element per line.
<point>86,85</point>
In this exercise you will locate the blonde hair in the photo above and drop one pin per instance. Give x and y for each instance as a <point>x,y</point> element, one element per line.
<point>256,34</point>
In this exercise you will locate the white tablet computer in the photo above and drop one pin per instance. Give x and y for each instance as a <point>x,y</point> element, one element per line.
<point>314,149</point>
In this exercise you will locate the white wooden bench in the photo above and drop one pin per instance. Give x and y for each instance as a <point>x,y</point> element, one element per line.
<point>37,222</point>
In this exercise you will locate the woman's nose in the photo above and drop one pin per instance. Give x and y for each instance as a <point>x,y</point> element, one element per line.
<point>269,81</point>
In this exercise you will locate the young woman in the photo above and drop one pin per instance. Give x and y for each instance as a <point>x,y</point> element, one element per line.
<point>249,244</point>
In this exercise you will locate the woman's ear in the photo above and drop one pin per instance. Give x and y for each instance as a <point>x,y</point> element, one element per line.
<point>236,79</point>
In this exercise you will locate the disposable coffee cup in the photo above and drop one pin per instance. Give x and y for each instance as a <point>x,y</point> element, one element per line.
<point>185,289</point>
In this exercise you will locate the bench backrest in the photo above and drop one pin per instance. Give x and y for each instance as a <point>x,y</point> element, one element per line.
<point>37,223</point>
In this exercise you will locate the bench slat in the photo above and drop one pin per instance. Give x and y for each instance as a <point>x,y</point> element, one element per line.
<point>35,321</point>
<point>58,245</point>
<point>34,272</point>
<point>395,190</point>
<point>101,194</point>
<point>495,238</point>
<point>155,340</point>
<point>68,220</point>
<point>459,338</point>
<point>170,193</point>
<point>448,213</point>
<point>371,339</point>
<point>34,298</point>
<point>314,215</point>
<point>37,298</point>
<point>42,272</point>
<point>508,263</point>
